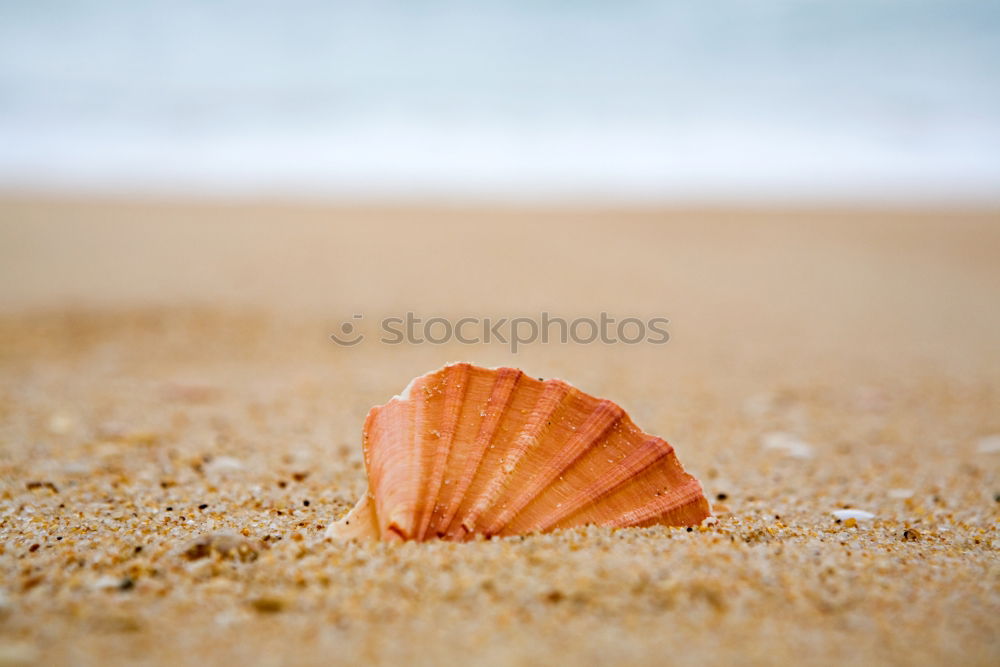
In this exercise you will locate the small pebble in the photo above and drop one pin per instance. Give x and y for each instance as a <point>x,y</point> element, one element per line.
<point>792,446</point>
<point>107,582</point>
<point>989,445</point>
<point>857,515</point>
<point>223,465</point>
<point>32,486</point>
<point>60,424</point>
<point>268,604</point>
<point>225,545</point>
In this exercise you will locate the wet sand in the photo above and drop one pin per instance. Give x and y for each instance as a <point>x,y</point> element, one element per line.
<point>178,431</point>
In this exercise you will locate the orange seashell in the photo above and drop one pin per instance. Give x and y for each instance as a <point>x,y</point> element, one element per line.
<point>468,450</point>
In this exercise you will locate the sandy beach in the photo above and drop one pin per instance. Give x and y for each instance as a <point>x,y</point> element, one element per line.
<point>178,431</point>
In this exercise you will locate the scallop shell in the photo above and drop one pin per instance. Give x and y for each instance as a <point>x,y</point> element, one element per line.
<point>468,450</point>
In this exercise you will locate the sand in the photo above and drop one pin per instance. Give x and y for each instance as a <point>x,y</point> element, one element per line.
<point>178,431</point>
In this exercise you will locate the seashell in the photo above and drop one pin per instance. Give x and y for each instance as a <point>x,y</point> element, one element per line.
<point>468,451</point>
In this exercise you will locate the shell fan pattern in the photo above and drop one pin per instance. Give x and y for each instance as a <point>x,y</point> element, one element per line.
<point>468,450</point>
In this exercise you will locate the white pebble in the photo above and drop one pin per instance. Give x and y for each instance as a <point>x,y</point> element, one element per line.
<point>223,464</point>
<point>60,424</point>
<point>106,582</point>
<point>989,445</point>
<point>791,445</point>
<point>857,515</point>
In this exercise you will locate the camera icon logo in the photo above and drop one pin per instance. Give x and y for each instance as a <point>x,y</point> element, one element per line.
<point>349,336</point>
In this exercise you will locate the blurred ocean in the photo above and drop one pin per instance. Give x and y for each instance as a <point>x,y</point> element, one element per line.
<point>872,100</point>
